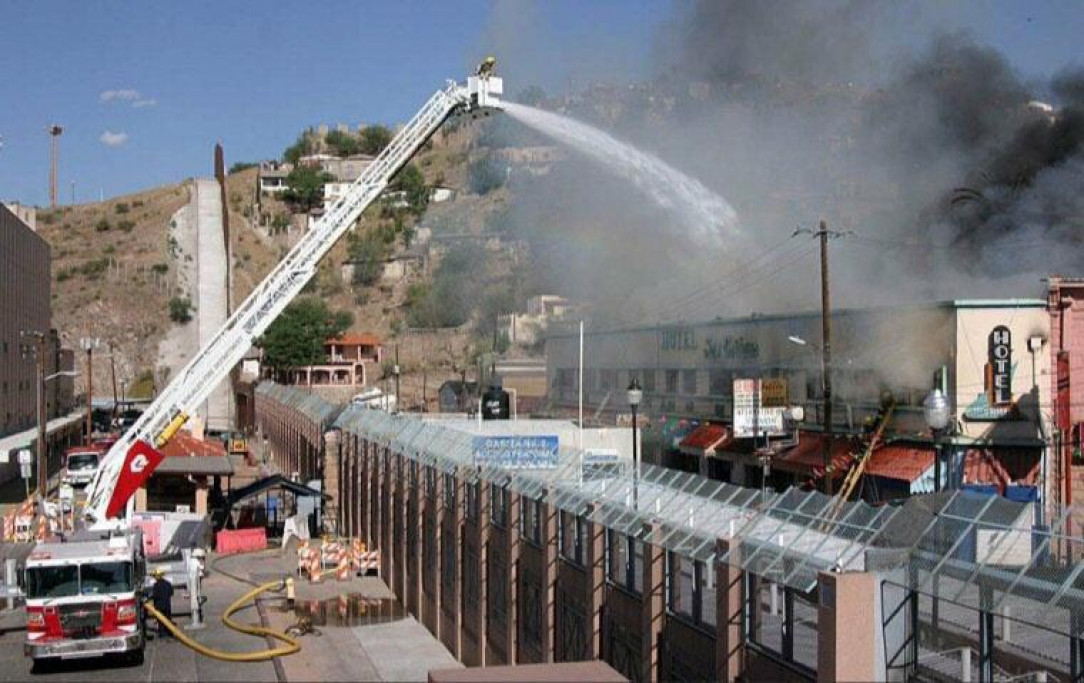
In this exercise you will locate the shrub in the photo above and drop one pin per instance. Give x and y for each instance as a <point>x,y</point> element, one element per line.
<point>241,166</point>
<point>160,268</point>
<point>126,225</point>
<point>486,175</point>
<point>120,207</point>
<point>102,225</point>
<point>342,144</point>
<point>180,310</point>
<point>137,203</point>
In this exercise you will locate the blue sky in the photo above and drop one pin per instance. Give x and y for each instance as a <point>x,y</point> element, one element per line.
<point>145,89</point>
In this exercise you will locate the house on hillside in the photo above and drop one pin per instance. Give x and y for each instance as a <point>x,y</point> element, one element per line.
<point>524,329</point>
<point>348,360</point>
<point>272,176</point>
<point>342,169</point>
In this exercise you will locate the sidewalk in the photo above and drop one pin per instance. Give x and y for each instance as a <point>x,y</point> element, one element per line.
<point>364,634</point>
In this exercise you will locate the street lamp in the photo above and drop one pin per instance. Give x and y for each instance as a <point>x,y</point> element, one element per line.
<point>89,344</point>
<point>635,396</point>
<point>795,339</point>
<point>937,411</point>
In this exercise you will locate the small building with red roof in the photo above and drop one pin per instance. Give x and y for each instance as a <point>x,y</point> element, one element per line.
<point>186,477</point>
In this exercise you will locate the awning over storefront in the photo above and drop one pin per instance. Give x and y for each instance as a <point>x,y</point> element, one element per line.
<point>901,462</point>
<point>706,440</point>
<point>806,457</point>
<point>10,445</point>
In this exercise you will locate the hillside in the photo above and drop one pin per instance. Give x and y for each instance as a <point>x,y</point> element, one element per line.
<point>115,270</point>
<point>429,279</point>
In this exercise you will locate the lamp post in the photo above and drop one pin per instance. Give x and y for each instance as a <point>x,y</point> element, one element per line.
<point>936,410</point>
<point>635,396</point>
<point>89,344</point>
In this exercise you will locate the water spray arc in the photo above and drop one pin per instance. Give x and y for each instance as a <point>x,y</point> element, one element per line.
<point>706,215</point>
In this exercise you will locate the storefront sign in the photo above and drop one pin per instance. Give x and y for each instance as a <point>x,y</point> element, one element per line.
<point>731,348</point>
<point>679,338</point>
<point>751,417</point>
<point>516,452</point>
<point>999,370</point>
<point>773,393</point>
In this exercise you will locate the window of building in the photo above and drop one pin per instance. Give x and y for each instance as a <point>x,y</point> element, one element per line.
<point>624,562</point>
<point>672,381</point>
<point>688,382</point>
<point>719,383</point>
<point>430,483</point>
<point>690,593</point>
<point>498,501</point>
<point>472,509</point>
<point>572,532</point>
<point>648,380</point>
<point>449,493</point>
<point>607,380</point>
<point>530,521</point>
<point>565,378</point>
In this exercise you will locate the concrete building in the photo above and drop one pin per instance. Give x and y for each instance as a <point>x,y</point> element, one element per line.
<point>995,354</point>
<point>524,329</point>
<point>27,214</point>
<point>525,380</point>
<point>272,176</point>
<point>25,306</point>
<point>343,169</point>
<point>348,361</point>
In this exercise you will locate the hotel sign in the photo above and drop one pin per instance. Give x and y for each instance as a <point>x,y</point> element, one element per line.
<point>752,418</point>
<point>999,369</point>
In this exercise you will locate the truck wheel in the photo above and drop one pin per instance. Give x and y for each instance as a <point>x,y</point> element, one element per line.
<point>135,657</point>
<point>40,666</point>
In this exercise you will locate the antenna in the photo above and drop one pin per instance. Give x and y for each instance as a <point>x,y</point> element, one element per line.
<point>54,135</point>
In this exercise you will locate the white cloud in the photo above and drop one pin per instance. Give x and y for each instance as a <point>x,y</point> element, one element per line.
<point>133,97</point>
<point>111,139</point>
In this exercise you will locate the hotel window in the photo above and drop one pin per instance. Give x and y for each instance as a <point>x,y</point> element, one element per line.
<point>648,382</point>
<point>688,382</point>
<point>672,381</point>
<point>607,380</point>
<point>719,382</point>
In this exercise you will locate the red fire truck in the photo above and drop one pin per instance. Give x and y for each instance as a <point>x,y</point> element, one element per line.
<point>83,597</point>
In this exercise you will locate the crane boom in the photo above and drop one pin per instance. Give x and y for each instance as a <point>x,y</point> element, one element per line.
<point>133,457</point>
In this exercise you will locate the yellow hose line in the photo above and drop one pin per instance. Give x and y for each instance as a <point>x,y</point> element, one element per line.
<point>291,646</point>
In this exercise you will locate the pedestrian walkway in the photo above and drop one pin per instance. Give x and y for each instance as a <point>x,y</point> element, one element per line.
<point>363,632</point>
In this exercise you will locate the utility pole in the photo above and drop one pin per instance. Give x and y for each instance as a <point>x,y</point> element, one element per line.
<point>826,358</point>
<point>113,372</point>
<point>54,136</point>
<point>36,349</point>
<point>824,234</point>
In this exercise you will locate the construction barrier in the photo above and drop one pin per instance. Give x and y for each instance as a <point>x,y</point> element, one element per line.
<point>369,561</point>
<point>240,541</point>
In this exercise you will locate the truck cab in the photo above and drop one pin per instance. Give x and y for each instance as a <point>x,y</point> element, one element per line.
<point>81,464</point>
<point>84,597</point>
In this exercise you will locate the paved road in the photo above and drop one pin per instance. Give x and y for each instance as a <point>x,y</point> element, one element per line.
<point>364,635</point>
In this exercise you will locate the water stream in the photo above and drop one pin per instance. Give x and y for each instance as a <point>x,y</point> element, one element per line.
<point>707,216</point>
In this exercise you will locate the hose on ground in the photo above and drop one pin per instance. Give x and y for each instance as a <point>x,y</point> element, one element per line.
<point>290,647</point>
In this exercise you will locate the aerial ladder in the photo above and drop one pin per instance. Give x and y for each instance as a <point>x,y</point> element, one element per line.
<point>134,456</point>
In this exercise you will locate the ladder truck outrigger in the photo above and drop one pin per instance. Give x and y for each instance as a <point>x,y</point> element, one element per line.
<point>108,535</point>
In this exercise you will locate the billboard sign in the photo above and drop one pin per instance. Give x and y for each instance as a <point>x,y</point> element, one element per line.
<point>751,417</point>
<point>516,452</point>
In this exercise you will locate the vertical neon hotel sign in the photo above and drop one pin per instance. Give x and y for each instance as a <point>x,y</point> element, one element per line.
<point>999,368</point>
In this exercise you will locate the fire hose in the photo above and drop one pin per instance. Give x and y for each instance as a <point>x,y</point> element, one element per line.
<point>291,646</point>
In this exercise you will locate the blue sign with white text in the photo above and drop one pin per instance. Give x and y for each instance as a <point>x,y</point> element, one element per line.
<point>516,452</point>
